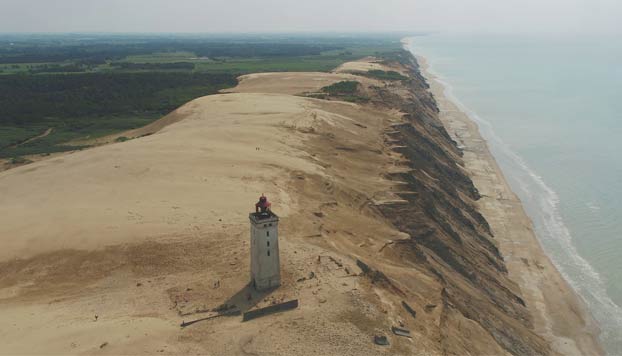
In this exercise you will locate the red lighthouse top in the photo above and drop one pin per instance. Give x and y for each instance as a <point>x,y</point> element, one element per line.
<point>263,205</point>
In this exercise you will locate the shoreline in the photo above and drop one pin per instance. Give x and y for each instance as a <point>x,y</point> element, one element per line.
<point>559,314</point>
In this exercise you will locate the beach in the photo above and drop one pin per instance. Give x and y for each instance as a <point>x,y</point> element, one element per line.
<point>559,314</point>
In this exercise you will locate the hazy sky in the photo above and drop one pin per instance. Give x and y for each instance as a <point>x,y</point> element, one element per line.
<point>576,16</point>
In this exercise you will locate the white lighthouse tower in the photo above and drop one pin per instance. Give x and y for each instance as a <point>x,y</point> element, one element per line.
<point>265,264</point>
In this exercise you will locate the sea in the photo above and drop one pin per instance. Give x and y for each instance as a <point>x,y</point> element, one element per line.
<point>550,108</point>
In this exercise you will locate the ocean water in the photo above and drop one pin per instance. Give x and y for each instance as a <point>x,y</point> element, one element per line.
<point>551,111</point>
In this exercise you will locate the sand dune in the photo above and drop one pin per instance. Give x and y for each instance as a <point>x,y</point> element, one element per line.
<point>108,250</point>
<point>367,64</point>
<point>288,83</point>
<point>129,231</point>
<point>238,145</point>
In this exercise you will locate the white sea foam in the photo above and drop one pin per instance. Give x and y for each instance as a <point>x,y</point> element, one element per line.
<point>542,205</point>
<point>592,206</point>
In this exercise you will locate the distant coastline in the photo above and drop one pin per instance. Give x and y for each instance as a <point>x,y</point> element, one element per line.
<point>547,293</point>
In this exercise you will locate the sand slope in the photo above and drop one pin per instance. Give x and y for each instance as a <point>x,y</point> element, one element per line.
<point>287,83</point>
<point>141,231</point>
<point>146,187</point>
<point>369,63</point>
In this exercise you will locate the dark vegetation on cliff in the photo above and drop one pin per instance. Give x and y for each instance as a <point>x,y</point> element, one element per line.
<point>347,90</point>
<point>385,75</point>
<point>448,236</point>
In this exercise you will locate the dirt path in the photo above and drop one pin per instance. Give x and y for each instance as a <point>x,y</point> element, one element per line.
<point>44,134</point>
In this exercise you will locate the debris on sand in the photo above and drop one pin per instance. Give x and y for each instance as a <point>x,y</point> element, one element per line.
<point>339,264</point>
<point>253,314</point>
<point>381,340</point>
<point>430,307</point>
<point>401,332</point>
<point>309,277</point>
<point>409,309</point>
<point>103,345</point>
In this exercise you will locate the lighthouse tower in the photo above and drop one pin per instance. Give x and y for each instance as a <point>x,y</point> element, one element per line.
<point>265,264</point>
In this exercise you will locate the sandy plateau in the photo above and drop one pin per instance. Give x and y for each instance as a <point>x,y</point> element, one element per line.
<point>107,250</point>
<point>137,233</point>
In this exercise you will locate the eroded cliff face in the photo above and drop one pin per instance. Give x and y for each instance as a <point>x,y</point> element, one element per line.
<point>448,236</point>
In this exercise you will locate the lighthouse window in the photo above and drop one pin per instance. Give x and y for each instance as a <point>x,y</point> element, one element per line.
<point>268,252</point>
<point>267,233</point>
<point>268,243</point>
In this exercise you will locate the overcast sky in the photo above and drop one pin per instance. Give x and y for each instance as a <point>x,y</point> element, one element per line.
<point>501,16</point>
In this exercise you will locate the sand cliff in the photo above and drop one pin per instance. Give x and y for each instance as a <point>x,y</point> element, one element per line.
<point>107,250</point>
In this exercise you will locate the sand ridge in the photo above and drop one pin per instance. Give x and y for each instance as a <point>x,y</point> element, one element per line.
<point>366,64</point>
<point>293,83</point>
